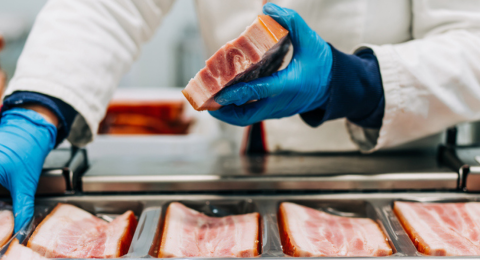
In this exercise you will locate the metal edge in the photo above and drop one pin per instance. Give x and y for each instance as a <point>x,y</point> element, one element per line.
<point>391,181</point>
<point>418,196</point>
<point>393,229</point>
<point>76,166</point>
<point>271,243</point>
<point>145,232</point>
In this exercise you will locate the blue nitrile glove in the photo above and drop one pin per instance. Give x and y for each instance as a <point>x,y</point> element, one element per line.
<point>25,140</point>
<point>301,87</point>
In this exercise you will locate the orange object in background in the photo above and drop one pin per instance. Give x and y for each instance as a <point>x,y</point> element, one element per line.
<point>145,118</point>
<point>3,76</point>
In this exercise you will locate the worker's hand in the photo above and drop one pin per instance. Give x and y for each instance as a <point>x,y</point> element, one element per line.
<point>301,87</point>
<point>26,138</point>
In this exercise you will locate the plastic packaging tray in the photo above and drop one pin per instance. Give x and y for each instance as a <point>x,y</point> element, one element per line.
<point>150,210</point>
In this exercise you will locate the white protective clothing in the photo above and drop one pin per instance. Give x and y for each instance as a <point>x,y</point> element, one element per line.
<point>428,52</point>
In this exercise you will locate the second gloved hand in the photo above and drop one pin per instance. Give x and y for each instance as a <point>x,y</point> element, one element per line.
<point>25,140</point>
<point>301,87</point>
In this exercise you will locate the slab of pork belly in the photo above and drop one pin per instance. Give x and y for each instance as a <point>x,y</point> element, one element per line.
<point>258,52</point>
<point>442,228</point>
<point>70,232</point>
<point>19,252</point>
<point>188,233</point>
<point>306,232</point>
<point>6,226</point>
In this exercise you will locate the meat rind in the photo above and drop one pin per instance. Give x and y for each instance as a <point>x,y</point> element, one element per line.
<point>70,232</point>
<point>441,229</point>
<point>16,251</point>
<point>188,233</point>
<point>306,232</point>
<point>6,226</point>
<point>257,52</point>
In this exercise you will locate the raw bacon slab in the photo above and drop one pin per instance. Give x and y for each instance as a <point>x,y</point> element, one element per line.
<point>16,252</point>
<point>188,233</point>
<point>258,52</point>
<point>6,226</point>
<point>306,232</point>
<point>441,228</point>
<point>70,232</point>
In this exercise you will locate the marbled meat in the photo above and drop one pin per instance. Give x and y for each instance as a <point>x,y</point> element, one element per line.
<point>188,233</point>
<point>442,229</point>
<point>306,232</point>
<point>257,52</point>
<point>70,232</point>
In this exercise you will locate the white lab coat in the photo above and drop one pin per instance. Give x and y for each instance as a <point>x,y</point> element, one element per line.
<point>428,52</point>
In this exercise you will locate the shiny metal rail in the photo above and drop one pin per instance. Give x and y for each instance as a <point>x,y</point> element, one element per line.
<point>61,170</point>
<point>273,172</point>
<point>388,181</point>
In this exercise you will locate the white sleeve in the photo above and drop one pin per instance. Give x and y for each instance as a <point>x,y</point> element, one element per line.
<point>78,51</point>
<point>431,82</point>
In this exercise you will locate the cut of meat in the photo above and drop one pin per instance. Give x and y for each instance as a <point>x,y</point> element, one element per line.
<point>306,232</point>
<point>188,233</point>
<point>441,228</point>
<point>16,251</point>
<point>70,232</point>
<point>6,226</point>
<point>258,52</point>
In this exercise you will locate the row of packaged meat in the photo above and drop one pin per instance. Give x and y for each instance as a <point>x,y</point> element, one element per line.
<point>247,228</point>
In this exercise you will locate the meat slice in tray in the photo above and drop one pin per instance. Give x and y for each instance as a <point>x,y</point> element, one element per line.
<point>306,232</point>
<point>70,232</point>
<point>257,52</point>
<point>19,252</point>
<point>189,233</point>
<point>6,226</point>
<point>441,228</point>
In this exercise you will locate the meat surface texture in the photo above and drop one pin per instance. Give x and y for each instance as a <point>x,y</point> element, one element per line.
<point>6,226</point>
<point>70,232</point>
<point>188,233</point>
<point>19,252</point>
<point>258,52</point>
<point>442,229</point>
<point>306,232</point>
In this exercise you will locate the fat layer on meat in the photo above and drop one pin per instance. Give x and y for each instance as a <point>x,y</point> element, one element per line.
<point>257,52</point>
<point>188,233</point>
<point>17,251</point>
<point>306,232</point>
<point>6,226</point>
<point>442,228</point>
<point>70,232</point>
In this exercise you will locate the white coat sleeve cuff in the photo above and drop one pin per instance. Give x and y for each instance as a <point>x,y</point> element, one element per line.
<point>370,140</point>
<point>84,126</point>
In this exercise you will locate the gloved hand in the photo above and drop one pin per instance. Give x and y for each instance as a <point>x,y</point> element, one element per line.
<point>25,140</point>
<point>301,87</point>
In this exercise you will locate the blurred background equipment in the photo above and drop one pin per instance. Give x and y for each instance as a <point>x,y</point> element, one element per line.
<point>145,111</point>
<point>173,55</point>
<point>157,65</point>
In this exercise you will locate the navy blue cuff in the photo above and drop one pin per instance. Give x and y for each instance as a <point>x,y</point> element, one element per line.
<point>356,91</point>
<point>65,113</point>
